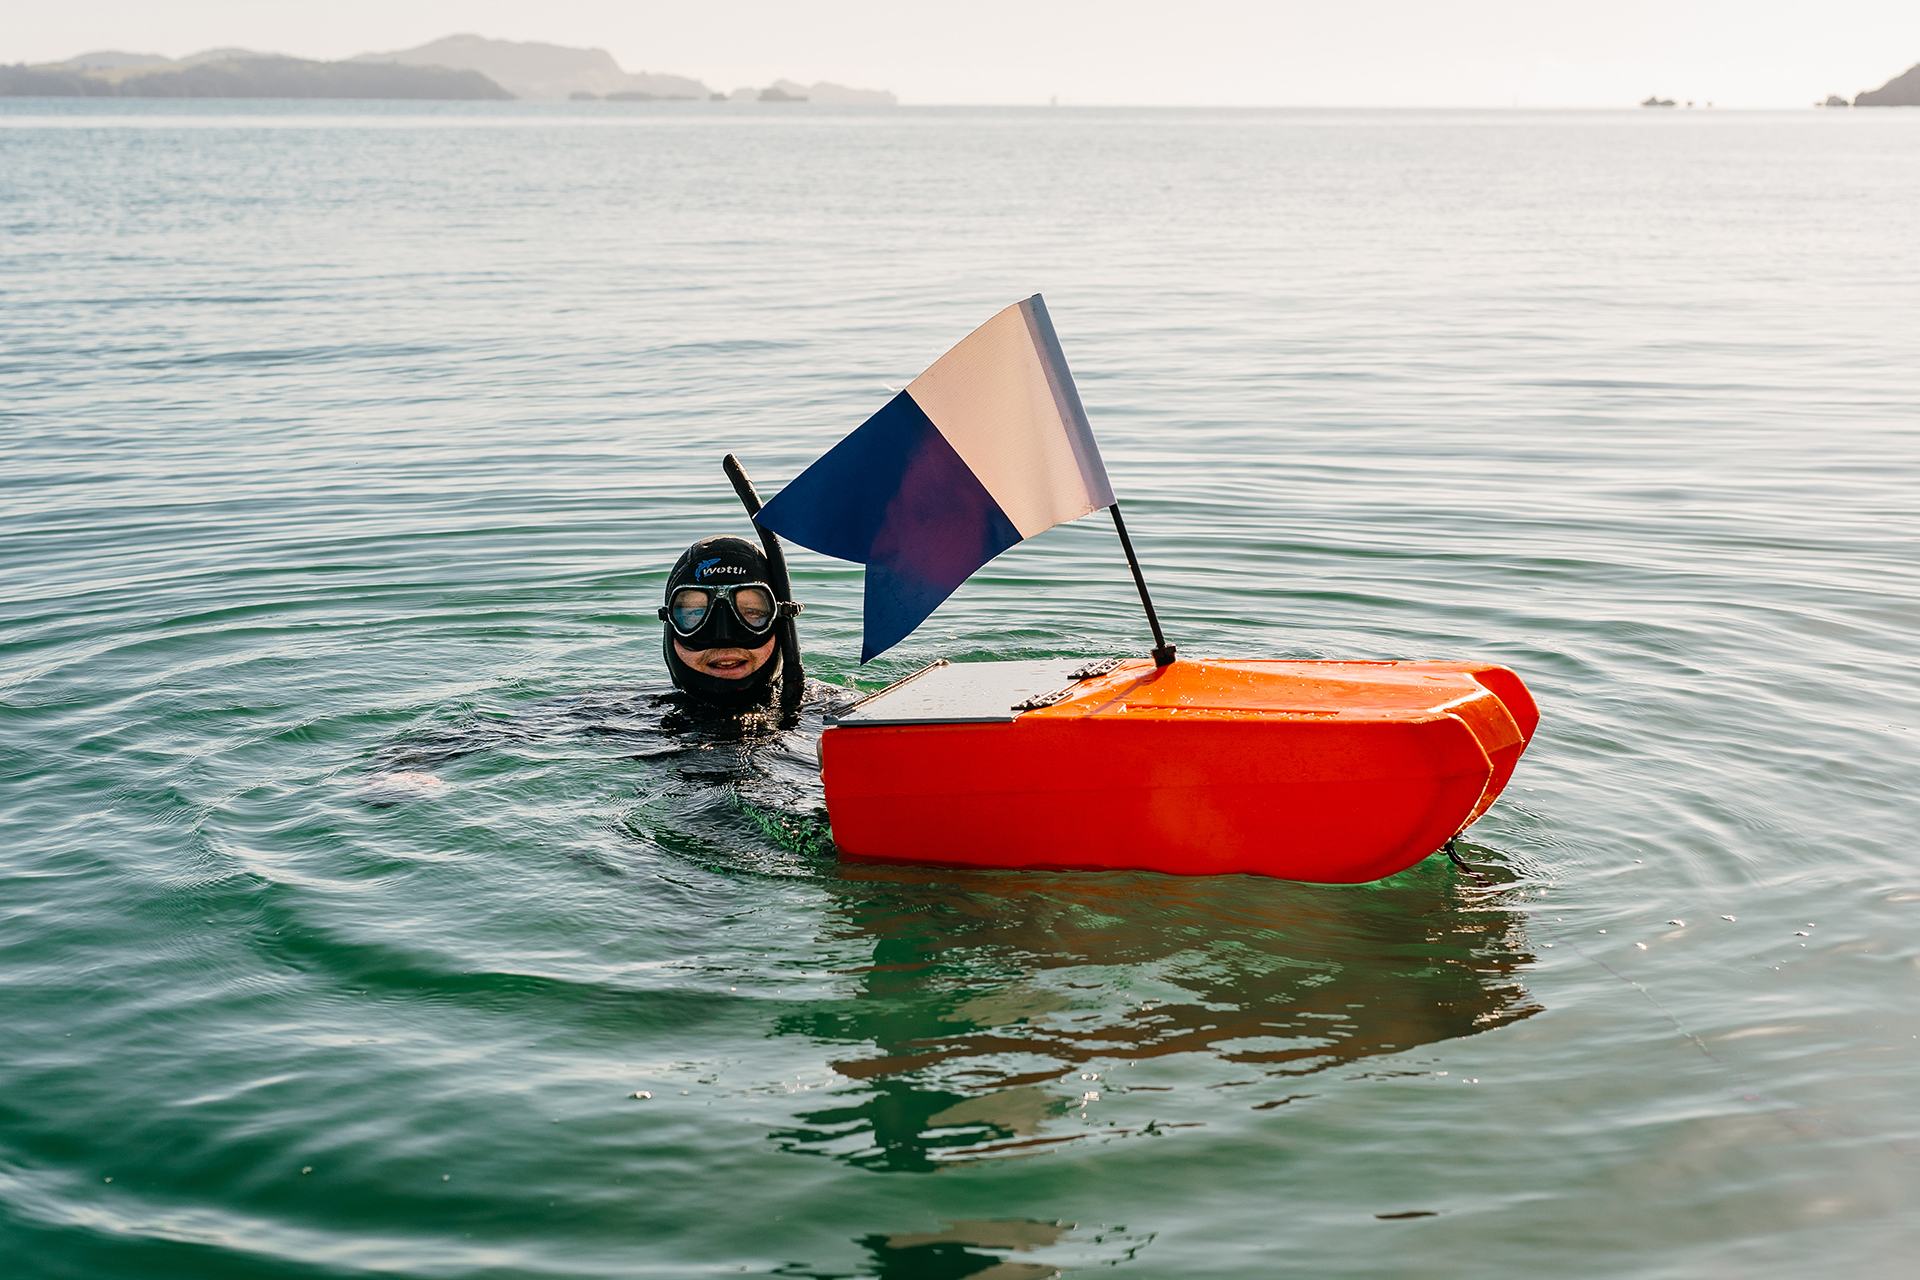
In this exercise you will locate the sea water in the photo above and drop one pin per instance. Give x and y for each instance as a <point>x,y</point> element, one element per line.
<point>362,911</point>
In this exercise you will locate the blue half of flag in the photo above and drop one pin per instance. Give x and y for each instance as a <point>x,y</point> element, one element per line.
<point>896,497</point>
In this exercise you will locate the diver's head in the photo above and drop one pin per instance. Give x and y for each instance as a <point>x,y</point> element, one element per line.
<point>722,623</point>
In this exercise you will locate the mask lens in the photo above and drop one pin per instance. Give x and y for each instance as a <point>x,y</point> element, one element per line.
<point>754,605</point>
<point>689,608</point>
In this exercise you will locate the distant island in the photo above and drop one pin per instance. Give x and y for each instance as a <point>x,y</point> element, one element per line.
<point>239,73</point>
<point>460,67</point>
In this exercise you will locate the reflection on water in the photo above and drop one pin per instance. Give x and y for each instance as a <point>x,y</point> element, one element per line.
<point>981,1249</point>
<point>938,1255</point>
<point>995,1003</point>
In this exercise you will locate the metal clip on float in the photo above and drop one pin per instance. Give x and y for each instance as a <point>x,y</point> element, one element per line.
<point>1087,671</point>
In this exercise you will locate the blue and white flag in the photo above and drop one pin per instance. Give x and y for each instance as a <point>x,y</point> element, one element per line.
<point>985,449</point>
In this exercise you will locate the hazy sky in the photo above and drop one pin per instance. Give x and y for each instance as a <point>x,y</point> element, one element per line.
<point>1385,52</point>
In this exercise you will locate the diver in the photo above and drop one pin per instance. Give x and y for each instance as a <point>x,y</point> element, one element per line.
<point>729,639</point>
<point>733,652</point>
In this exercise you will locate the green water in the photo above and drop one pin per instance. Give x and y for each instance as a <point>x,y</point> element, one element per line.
<point>349,443</point>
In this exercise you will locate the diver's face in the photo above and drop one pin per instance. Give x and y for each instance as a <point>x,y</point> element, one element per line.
<point>728,664</point>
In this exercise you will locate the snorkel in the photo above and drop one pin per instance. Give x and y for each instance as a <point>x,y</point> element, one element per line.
<point>793,685</point>
<point>719,562</point>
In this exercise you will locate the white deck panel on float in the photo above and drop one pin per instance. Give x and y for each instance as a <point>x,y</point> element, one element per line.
<point>962,693</point>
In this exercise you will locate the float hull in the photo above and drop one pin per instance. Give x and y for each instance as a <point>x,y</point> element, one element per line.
<point>1337,772</point>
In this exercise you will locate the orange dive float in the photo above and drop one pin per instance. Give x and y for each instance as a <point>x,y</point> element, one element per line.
<point>1337,772</point>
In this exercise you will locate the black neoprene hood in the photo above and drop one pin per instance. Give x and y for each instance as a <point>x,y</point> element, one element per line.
<point>718,562</point>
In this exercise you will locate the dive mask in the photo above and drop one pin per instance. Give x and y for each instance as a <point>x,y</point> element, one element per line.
<point>736,615</point>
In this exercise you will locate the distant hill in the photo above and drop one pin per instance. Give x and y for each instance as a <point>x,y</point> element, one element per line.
<point>1901,91</point>
<point>113,60</point>
<point>548,72</point>
<point>227,53</point>
<point>248,75</point>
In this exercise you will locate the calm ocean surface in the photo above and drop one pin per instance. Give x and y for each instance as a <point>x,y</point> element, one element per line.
<point>347,440</point>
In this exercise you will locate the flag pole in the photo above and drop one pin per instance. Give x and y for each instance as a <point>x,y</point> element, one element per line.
<point>1162,651</point>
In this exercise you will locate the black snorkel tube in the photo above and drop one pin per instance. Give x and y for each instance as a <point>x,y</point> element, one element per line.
<point>793,679</point>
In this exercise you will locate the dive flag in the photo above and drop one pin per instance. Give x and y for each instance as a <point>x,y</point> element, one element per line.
<point>985,449</point>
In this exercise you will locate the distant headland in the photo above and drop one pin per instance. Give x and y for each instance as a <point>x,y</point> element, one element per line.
<point>552,73</point>
<point>1901,91</point>
<point>458,67</point>
<point>238,73</point>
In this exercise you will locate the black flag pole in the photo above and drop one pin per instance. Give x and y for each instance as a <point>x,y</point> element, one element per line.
<point>793,677</point>
<point>1162,651</point>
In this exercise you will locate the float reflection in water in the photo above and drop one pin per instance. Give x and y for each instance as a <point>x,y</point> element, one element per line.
<point>990,1249</point>
<point>1000,1013</point>
<point>997,1004</point>
<point>950,1251</point>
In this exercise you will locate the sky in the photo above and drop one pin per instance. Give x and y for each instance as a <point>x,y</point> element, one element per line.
<point>1735,53</point>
